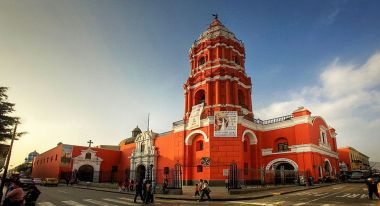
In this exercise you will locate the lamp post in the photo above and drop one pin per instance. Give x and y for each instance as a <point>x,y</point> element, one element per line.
<point>7,162</point>
<point>151,172</point>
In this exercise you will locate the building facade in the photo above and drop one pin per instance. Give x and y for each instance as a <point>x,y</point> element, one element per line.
<point>351,159</point>
<point>219,137</point>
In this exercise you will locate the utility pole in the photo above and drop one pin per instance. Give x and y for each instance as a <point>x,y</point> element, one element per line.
<point>7,162</point>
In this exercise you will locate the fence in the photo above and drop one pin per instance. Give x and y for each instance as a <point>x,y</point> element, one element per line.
<point>237,178</point>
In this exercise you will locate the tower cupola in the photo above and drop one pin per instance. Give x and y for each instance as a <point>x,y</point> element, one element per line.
<point>217,73</point>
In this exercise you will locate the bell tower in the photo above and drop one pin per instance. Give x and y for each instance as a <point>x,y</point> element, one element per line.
<point>217,73</point>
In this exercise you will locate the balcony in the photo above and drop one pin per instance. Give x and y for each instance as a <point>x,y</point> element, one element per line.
<point>274,120</point>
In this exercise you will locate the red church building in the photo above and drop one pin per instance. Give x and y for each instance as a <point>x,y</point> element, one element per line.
<point>219,137</point>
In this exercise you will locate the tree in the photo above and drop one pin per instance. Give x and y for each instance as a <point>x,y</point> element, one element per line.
<point>7,121</point>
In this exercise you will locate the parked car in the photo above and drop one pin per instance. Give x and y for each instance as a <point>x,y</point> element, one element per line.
<point>26,183</point>
<point>50,181</point>
<point>37,181</point>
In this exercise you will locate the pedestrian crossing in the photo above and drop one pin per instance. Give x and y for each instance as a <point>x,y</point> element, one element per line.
<point>103,202</point>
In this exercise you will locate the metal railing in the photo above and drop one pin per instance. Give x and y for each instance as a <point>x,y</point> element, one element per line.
<point>274,120</point>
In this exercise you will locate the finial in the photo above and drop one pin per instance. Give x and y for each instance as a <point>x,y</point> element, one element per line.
<point>89,143</point>
<point>215,16</point>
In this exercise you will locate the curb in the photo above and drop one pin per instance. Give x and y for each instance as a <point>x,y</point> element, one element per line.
<point>215,199</point>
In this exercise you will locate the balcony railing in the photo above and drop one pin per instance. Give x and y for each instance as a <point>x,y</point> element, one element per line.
<point>274,120</point>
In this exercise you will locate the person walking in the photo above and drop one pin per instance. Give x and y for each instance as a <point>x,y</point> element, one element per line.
<point>372,188</point>
<point>148,192</point>
<point>32,196</point>
<point>196,190</point>
<point>205,191</point>
<point>14,197</point>
<point>138,190</point>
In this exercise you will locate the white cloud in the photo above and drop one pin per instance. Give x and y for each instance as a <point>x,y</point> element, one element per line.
<point>348,97</point>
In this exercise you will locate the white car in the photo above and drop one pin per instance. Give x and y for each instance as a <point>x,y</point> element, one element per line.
<point>37,181</point>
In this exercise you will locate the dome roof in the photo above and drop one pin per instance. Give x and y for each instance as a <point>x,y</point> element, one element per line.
<point>137,129</point>
<point>129,140</point>
<point>216,29</point>
<point>34,153</point>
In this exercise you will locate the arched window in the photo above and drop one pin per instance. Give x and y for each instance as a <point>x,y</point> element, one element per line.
<point>142,148</point>
<point>236,60</point>
<point>199,168</point>
<point>241,99</point>
<point>282,144</point>
<point>246,143</point>
<point>201,61</point>
<point>199,145</point>
<point>88,155</point>
<point>200,97</point>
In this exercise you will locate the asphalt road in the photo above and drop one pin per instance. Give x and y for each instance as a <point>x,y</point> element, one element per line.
<point>343,194</point>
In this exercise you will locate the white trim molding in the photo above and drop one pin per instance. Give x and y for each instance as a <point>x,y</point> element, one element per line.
<point>190,137</point>
<point>251,135</point>
<point>271,163</point>
<point>218,77</point>
<point>302,148</point>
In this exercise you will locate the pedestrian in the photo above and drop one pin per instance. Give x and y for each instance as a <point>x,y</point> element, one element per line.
<point>205,191</point>
<point>372,188</point>
<point>226,183</point>
<point>67,179</point>
<point>196,192</point>
<point>165,187</point>
<point>131,185</point>
<point>125,185</point>
<point>120,185</point>
<point>32,196</point>
<point>16,196</point>
<point>138,191</point>
<point>154,185</point>
<point>148,192</point>
<point>144,190</point>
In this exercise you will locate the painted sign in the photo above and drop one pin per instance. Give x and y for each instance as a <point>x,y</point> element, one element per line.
<point>225,124</point>
<point>67,152</point>
<point>195,116</point>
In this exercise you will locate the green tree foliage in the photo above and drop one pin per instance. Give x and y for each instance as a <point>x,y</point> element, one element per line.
<point>7,121</point>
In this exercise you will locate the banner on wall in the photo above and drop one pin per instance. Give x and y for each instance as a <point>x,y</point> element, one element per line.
<point>67,152</point>
<point>225,124</point>
<point>195,116</point>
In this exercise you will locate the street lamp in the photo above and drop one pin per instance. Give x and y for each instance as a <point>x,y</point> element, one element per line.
<point>151,172</point>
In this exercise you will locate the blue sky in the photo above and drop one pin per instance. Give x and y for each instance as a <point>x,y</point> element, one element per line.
<point>80,70</point>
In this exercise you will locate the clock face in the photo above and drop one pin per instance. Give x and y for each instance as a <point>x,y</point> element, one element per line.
<point>205,161</point>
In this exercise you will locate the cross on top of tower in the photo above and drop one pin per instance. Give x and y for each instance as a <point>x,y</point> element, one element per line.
<point>89,143</point>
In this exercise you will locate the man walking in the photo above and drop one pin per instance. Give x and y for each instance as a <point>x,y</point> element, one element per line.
<point>372,188</point>
<point>139,191</point>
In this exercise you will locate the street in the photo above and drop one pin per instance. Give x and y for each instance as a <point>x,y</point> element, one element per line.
<point>342,194</point>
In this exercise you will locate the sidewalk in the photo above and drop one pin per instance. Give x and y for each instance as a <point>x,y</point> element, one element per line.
<point>217,193</point>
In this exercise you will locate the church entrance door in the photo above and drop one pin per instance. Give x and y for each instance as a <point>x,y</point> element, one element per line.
<point>140,173</point>
<point>285,173</point>
<point>85,173</point>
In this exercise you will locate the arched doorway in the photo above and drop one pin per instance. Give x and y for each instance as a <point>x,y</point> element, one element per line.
<point>327,168</point>
<point>284,173</point>
<point>140,173</point>
<point>85,173</point>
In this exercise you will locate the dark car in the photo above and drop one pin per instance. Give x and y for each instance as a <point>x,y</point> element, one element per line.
<point>26,183</point>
